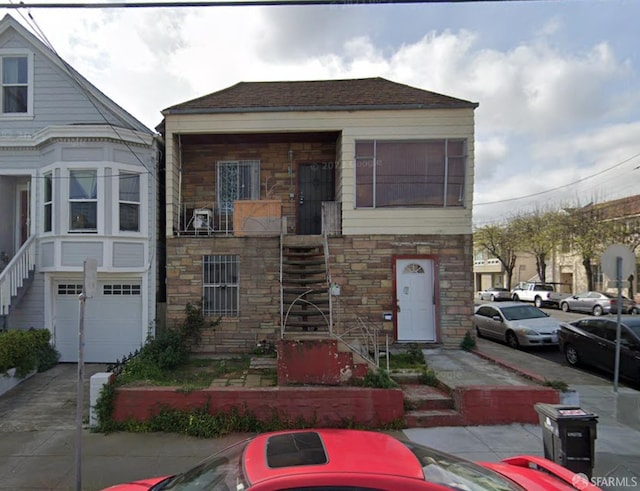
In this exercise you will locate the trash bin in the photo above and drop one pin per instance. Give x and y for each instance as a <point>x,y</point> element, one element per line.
<point>568,434</point>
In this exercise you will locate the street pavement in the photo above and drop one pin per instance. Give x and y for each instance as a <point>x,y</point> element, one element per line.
<point>38,437</point>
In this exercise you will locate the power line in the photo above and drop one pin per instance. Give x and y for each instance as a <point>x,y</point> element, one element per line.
<point>236,3</point>
<point>533,195</point>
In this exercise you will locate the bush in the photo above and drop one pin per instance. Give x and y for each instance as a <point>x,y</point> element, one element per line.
<point>26,351</point>
<point>469,342</point>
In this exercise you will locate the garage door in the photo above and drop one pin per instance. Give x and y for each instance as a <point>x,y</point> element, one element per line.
<point>112,321</point>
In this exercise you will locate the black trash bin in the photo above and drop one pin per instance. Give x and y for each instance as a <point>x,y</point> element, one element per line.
<point>568,434</point>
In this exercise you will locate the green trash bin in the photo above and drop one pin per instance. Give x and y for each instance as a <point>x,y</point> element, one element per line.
<point>568,435</point>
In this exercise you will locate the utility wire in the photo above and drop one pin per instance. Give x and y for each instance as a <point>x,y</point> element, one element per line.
<point>533,195</point>
<point>236,3</point>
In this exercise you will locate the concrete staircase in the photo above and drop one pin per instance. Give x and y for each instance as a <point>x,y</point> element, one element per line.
<point>428,407</point>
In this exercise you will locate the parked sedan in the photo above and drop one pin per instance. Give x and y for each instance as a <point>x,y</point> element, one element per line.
<point>516,323</point>
<point>495,294</point>
<point>592,341</point>
<point>357,460</point>
<point>596,303</point>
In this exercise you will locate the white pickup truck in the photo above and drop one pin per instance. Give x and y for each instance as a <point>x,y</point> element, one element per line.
<point>541,294</point>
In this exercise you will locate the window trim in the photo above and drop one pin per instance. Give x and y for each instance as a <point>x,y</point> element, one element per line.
<point>14,53</point>
<point>120,201</point>
<point>96,200</point>
<point>373,161</point>
<point>48,206</point>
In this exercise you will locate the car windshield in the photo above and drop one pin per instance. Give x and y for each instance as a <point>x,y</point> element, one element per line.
<point>520,312</point>
<point>222,471</point>
<point>456,473</point>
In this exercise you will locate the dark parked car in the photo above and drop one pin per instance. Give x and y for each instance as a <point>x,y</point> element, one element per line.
<point>495,294</point>
<point>597,303</point>
<point>592,341</point>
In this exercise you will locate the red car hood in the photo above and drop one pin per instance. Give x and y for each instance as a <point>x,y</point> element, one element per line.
<point>523,470</point>
<point>137,485</point>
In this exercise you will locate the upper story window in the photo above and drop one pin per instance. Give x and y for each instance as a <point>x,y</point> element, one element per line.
<point>83,201</point>
<point>129,201</point>
<point>16,84</point>
<point>410,173</point>
<point>48,203</point>
<point>236,180</point>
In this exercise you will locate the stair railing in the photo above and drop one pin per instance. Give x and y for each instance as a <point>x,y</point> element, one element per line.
<point>13,275</point>
<point>329,282</point>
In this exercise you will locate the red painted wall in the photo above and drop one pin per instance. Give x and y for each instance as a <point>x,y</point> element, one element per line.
<point>500,404</point>
<point>326,406</point>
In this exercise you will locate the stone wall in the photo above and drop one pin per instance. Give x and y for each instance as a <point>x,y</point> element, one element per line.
<point>361,265</point>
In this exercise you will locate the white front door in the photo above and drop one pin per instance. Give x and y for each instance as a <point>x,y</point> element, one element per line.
<point>416,300</point>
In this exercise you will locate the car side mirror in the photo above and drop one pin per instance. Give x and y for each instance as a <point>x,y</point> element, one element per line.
<point>497,318</point>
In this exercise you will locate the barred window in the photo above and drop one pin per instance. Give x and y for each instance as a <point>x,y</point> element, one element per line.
<point>220,285</point>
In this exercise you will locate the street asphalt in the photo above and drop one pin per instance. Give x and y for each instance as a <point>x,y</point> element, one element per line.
<point>39,438</point>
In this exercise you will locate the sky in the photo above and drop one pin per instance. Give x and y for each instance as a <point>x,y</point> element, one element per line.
<point>557,81</point>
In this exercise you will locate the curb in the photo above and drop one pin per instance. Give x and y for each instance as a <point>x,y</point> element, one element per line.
<point>525,373</point>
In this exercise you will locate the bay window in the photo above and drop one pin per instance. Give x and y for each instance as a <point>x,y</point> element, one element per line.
<point>129,202</point>
<point>48,203</point>
<point>424,173</point>
<point>83,201</point>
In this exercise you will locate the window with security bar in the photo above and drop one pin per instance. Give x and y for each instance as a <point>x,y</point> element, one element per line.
<point>220,284</point>
<point>236,180</point>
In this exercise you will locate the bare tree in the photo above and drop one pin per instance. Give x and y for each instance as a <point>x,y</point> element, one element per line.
<point>537,234</point>
<point>501,242</point>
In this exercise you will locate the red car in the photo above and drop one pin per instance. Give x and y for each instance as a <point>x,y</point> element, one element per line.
<point>352,460</point>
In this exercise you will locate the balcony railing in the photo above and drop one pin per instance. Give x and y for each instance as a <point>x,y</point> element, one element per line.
<point>248,217</point>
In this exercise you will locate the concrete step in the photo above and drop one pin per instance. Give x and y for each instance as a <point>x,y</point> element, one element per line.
<point>432,419</point>
<point>426,398</point>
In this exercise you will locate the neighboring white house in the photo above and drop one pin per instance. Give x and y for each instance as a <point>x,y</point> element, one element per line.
<point>77,180</point>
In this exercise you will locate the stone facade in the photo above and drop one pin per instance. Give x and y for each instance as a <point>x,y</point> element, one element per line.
<point>361,265</point>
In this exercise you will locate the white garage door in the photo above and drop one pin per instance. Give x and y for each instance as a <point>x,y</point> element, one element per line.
<point>112,321</point>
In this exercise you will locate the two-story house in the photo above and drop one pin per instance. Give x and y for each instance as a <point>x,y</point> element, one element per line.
<point>77,181</point>
<point>321,207</point>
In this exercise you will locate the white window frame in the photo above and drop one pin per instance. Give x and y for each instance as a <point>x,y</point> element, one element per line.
<point>121,202</point>
<point>30,97</point>
<point>241,192</point>
<point>95,200</point>
<point>218,290</point>
<point>48,204</point>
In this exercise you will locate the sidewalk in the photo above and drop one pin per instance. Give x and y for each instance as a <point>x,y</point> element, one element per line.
<point>617,460</point>
<point>37,430</point>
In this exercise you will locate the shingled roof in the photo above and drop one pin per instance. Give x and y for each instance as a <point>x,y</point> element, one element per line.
<point>319,95</point>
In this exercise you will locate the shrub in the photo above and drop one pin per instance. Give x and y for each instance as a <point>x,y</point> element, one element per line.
<point>26,351</point>
<point>468,343</point>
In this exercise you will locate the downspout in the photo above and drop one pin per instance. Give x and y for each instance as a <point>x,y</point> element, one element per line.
<point>179,180</point>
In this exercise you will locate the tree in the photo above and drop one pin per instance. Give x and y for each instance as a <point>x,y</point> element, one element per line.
<point>501,242</point>
<point>587,234</point>
<point>537,234</point>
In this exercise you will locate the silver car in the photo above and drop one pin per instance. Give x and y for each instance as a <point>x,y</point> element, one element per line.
<point>516,323</point>
<point>597,303</point>
<point>495,294</point>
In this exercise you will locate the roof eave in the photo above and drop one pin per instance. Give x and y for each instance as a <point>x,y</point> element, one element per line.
<point>373,107</point>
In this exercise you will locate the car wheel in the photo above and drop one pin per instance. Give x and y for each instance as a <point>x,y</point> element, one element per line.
<point>478,333</point>
<point>564,306</point>
<point>516,298</point>
<point>512,340</point>
<point>493,298</point>
<point>597,310</point>
<point>538,302</point>
<point>634,311</point>
<point>571,355</point>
